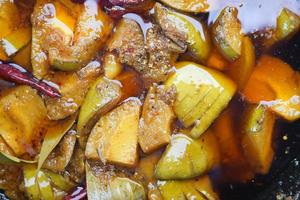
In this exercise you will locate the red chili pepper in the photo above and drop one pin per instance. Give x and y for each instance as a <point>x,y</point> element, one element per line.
<point>17,74</point>
<point>78,1</point>
<point>78,194</point>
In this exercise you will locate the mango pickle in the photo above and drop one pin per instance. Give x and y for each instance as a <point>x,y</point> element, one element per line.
<point>23,57</point>
<point>186,158</point>
<point>288,24</point>
<point>19,128</point>
<point>202,94</point>
<point>184,29</point>
<point>108,185</point>
<point>9,17</point>
<point>257,132</point>
<point>16,40</point>
<point>280,92</point>
<point>80,41</point>
<point>226,33</point>
<point>44,185</point>
<point>240,70</point>
<point>192,6</point>
<point>114,139</point>
<point>155,124</point>
<point>59,181</point>
<point>30,181</point>
<point>198,189</point>
<point>103,95</point>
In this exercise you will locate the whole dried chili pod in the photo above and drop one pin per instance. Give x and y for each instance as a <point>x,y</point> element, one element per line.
<point>78,194</point>
<point>17,74</point>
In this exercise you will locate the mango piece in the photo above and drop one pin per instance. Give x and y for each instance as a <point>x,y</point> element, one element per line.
<point>257,135</point>
<point>114,138</point>
<point>16,40</point>
<point>202,94</point>
<point>280,92</point>
<point>185,29</point>
<point>156,121</point>
<point>187,158</point>
<point>111,65</point>
<point>21,130</point>
<point>73,88</point>
<point>198,189</point>
<point>288,24</point>
<point>103,95</point>
<point>111,185</point>
<point>4,148</point>
<point>241,69</point>
<point>87,40</point>
<point>61,155</point>
<point>9,17</point>
<point>44,185</point>
<point>235,167</point>
<point>124,188</point>
<point>193,6</point>
<point>59,181</point>
<point>23,57</point>
<point>227,34</point>
<point>30,182</point>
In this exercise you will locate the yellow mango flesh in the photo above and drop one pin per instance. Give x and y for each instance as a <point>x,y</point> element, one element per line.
<point>21,130</point>
<point>257,137</point>
<point>155,123</point>
<point>279,91</point>
<point>241,69</point>
<point>227,33</point>
<point>202,93</point>
<point>198,189</point>
<point>103,95</point>
<point>187,158</point>
<point>15,41</point>
<point>114,138</point>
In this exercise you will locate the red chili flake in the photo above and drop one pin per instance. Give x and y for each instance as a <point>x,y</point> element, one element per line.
<point>17,74</point>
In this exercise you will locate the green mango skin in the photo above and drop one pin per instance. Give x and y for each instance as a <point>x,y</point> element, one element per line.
<point>182,159</point>
<point>227,34</point>
<point>288,23</point>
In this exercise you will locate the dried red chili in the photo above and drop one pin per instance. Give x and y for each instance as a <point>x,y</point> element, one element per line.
<point>17,74</point>
<point>78,194</point>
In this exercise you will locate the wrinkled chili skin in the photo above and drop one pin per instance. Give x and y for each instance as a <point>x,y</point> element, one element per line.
<point>78,194</point>
<point>78,1</point>
<point>17,74</point>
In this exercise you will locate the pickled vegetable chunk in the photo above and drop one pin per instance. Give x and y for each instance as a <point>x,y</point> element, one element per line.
<point>184,31</point>
<point>187,158</point>
<point>106,184</point>
<point>193,6</point>
<point>61,155</point>
<point>201,95</point>
<point>288,23</point>
<point>227,34</point>
<point>73,87</point>
<point>83,35</point>
<point>20,130</point>
<point>280,92</point>
<point>192,189</point>
<point>115,136</point>
<point>103,95</point>
<point>241,69</point>
<point>257,134</point>
<point>156,120</point>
